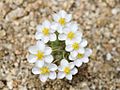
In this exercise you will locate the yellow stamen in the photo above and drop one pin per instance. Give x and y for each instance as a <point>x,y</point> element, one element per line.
<point>62,21</point>
<point>44,70</point>
<point>71,35</point>
<point>67,70</point>
<point>39,55</point>
<point>80,55</point>
<point>75,46</point>
<point>45,31</point>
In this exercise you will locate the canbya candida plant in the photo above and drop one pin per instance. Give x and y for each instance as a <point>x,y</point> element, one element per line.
<point>60,48</point>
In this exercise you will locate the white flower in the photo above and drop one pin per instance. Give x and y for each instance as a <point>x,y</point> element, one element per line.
<point>70,33</point>
<point>81,58</point>
<point>45,32</point>
<point>66,70</point>
<point>61,18</point>
<point>40,54</point>
<point>46,71</point>
<point>76,47</point>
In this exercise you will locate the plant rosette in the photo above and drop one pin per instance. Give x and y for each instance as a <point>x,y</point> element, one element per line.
<point>60,48</point>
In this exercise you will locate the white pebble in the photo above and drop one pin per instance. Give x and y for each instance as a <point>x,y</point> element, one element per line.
<point>118,69</point>
<point>10,84</point>
<point>115,11</point>
<point>108,56</point>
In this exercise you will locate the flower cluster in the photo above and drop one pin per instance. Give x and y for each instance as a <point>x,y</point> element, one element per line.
<point>63,29</point>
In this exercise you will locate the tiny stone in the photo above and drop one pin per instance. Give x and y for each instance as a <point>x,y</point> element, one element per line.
<point>22,88</point>
<point>10,84</point>
<point>98,47</point>
<point>5,88</point>
<point>111,2</point>
<point>118,69</point>
<point>71,88</point>
<point>85,86</point>
<point>8,46</point>
<point>2,33</point>
<point>18,2</point>
<point>19,12</point>
<point>112,41</point>
<point>115,11</point>
<point>108,56</point>
<point>1,84</point>
<point>17,52</point>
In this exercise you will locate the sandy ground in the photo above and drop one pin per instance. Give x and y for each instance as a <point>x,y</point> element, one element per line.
<point>100,21</point>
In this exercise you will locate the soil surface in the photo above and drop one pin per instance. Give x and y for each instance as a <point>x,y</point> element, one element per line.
<point>100,23</point>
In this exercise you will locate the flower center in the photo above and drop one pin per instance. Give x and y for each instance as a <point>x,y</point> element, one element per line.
<point>62,21</point>
<point>44,70</point>
<point>39,55</point>
<point>67,70</point>
<point>45,31</point>
<point>75,46</point>
<point>71,35</point>
<point>80,55</point>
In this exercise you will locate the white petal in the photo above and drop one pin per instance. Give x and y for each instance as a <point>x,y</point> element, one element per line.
<point>78,63</point>
<point>35,70</point>
<point>52,75</point>
<point>74,71</point>
<point>62,13</point>
<point>88,52</point>
<point>69,48</point>
<point>61,75</point>
<point>62,37</point>
<point>31,58</point>
<point>40,45</point>
<point>74,53</point>
<point>78,39</point>
<point>64,62</point>
<point>72,58</point>
<point>61,68</point>
<point>68,17</point>
<point>66,30</point>
<point>71,65</point>
<point>46,24</point>
<point>48,59</point>
<point>33,49</point>
<point>45,39</point>
<point>48,50</point>
<point>53,30</point>
<point>74,27</point>
<point>69,76</point>
<point>83,43</point>
<point>43,78</point>
<point>59,29</point>
<point>54,26</point>
<point>78,34</point>
<point>38,35</point>
<point>85,60</point>
<point>39,63</point>
<point>68,41</point>
<point>39,28</point>
<point>52,67</point>
<point>81,50</point>
<point>56,17</point>
<point>53,37</point>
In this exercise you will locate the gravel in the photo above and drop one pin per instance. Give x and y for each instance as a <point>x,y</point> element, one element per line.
<point>100,23</point>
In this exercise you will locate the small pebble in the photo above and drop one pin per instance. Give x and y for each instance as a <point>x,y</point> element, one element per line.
<point>10,84</point>
<point>108,56</point>
<point>115,11</point>
<point>2,33</point>
<point>1,84</point>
